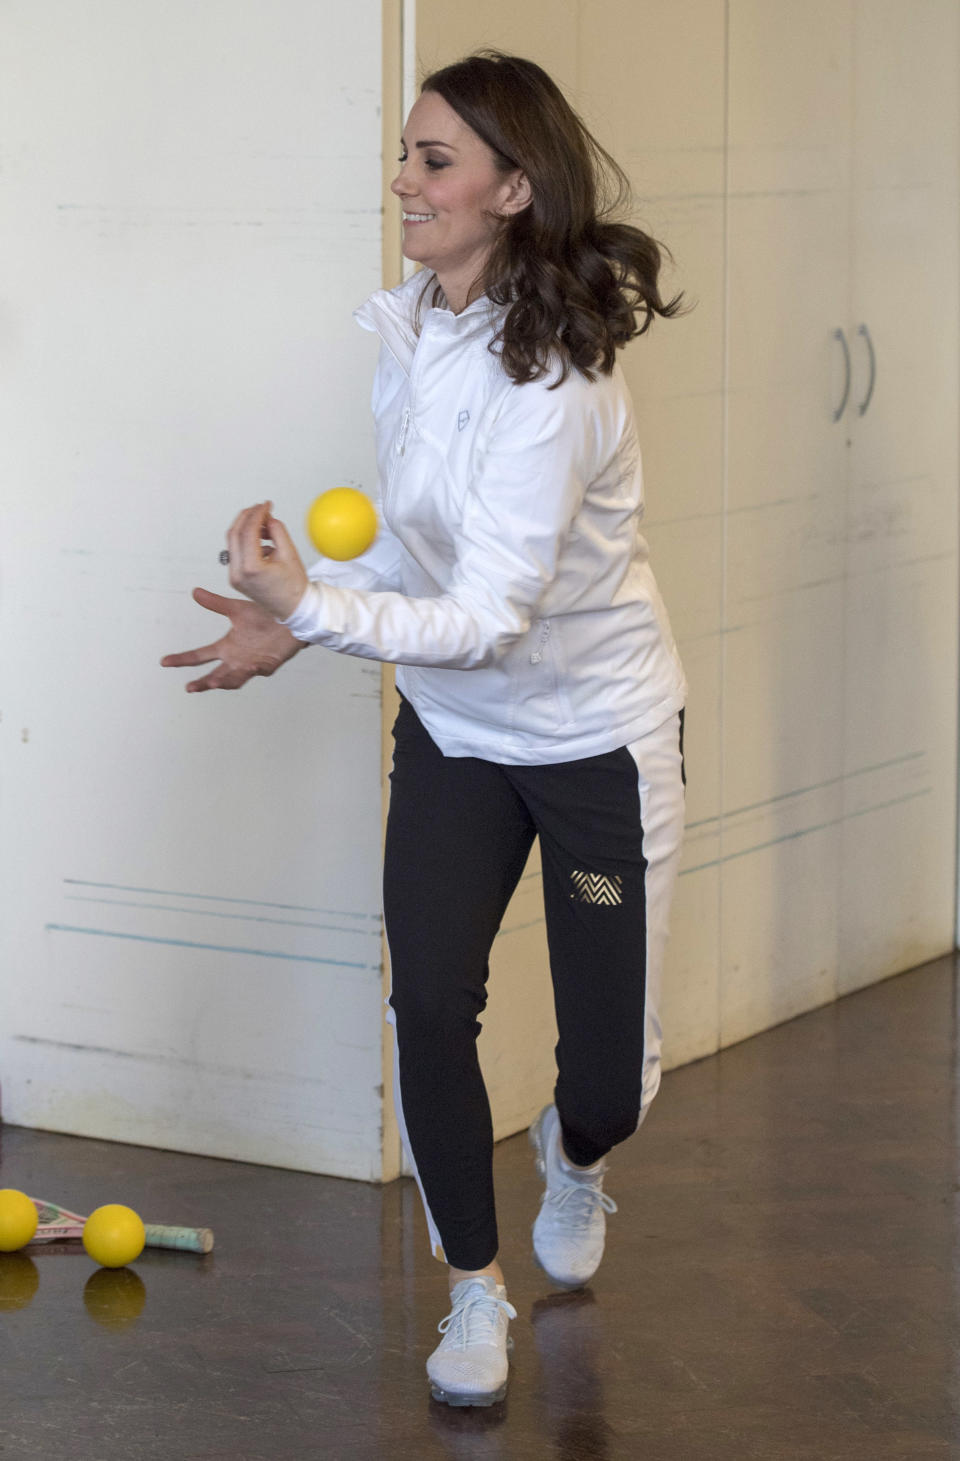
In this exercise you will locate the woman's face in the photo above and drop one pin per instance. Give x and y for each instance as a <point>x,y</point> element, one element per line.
<point>446,180</point>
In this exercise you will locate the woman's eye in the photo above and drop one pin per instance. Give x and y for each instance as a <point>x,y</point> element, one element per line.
<point>430,162</point>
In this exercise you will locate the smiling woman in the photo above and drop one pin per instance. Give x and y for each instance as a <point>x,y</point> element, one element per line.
<point>542,692</point>
<point>454,197</point>
<point>536,216</point>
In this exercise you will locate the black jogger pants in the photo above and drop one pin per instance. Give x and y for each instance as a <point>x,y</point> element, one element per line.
<point>459,832</point>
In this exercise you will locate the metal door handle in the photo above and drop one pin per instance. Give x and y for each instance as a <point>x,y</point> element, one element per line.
<point>873,369</point>
<point>839,335</point>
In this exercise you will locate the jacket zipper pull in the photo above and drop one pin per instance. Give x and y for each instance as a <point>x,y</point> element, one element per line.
<point>403,430</point>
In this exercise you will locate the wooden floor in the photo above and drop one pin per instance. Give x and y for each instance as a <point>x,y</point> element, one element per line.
<point>780,1282</point>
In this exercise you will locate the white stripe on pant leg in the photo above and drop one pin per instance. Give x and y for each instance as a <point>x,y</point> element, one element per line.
<point>435,1241</point>
<point>658,760</point>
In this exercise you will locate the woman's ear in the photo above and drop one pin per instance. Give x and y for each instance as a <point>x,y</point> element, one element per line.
<point>520,195</point>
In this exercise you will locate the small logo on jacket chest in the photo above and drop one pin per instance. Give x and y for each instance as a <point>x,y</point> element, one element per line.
<point>462,420</point>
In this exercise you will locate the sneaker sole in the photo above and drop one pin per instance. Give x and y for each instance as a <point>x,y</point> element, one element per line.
<point>569,1286</point>
<point>455,1397</point>
<point>447,1397</point>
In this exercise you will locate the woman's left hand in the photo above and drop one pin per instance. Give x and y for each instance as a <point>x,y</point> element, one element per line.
<point>274,577</point>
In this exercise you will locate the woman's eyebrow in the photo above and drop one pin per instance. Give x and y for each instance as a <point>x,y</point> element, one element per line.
<point>434,143</point>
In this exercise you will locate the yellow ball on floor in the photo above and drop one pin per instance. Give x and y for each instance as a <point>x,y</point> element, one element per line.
<point>342,523</point>
<point>18,1219</point>
<point>114,1235</point>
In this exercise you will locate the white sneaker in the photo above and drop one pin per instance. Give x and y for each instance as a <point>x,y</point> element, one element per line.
<point>469,1366</point>
<point>569,1233</point>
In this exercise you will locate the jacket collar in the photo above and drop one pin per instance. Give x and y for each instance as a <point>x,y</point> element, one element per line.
<point>391,313</point>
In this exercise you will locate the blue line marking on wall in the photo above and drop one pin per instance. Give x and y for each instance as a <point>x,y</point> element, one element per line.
<point>805,790</point>
<point>180,943</point>
<point>806,831</point>
<point>216,898</point>
<point>240,917</point>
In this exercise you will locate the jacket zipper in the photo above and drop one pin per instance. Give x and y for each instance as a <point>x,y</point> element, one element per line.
<point>545,627</point>
<point>403,430</point>
<point>397,454</point>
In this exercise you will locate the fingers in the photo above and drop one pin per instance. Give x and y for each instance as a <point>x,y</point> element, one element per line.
<point>284,544</point>
<point>207,652</point>
<point>220,679</point>
<point>209,600</point>
<point>193,656</point>
<point>272,576</point>
<point>244,538</point>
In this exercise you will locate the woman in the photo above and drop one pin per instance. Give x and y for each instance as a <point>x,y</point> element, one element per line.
<point>541,689</point>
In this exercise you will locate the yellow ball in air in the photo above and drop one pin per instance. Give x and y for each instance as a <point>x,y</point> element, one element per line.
<point>342,523</point>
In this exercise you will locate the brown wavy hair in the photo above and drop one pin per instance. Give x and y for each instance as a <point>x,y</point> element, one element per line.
<point>573,273</point>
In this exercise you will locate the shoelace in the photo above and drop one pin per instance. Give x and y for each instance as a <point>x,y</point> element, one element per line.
<point>475,1319</point>
<point>579,1214</point>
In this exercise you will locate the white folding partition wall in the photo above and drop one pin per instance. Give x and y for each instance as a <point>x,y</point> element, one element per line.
<point>191,207</point>
<point>800,158</point>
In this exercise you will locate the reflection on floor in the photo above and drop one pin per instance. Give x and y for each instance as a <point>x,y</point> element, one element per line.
<point>780,1282</point>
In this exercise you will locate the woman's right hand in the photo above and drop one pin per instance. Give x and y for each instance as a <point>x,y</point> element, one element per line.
<point>255,644</point>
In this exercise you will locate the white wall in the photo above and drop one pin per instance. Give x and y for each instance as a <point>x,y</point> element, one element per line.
<point>190,202</point>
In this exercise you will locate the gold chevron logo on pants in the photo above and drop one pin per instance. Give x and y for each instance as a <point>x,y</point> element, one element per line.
<point>597,888</point>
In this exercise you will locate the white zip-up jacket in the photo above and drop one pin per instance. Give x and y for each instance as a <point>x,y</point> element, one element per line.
<point>509,581</point>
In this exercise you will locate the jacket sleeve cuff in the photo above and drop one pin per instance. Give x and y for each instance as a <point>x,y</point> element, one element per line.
<point>307,622</point>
